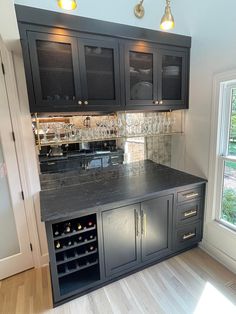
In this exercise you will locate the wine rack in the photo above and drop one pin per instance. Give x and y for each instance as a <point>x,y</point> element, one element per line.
<point>76,253</point>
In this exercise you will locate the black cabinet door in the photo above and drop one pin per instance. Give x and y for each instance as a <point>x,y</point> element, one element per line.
<point>156,217</point>
<point>121,237</point>
<point>99,63</point>
<point>55,71</point>
<point>173,78</point>
<point>141,87</point>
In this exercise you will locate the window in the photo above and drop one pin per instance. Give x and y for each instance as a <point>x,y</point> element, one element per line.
<point>227,158</point>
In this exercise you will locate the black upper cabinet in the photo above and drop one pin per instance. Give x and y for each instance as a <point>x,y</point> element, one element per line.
<point>55,72</point>
<point>74,74</point>
<point>174,78</point>
<point>141,86</point>
<point>155,77</point>
<point>76,64</point>
<point>99,63</point>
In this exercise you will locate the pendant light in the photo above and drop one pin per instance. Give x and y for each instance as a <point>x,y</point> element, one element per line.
<point>68,5</point>
<point>167,21</point>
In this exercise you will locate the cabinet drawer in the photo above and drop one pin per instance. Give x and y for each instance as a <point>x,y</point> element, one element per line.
<point>191,194</point>
<point>188,235</point>
<point>189,212</point>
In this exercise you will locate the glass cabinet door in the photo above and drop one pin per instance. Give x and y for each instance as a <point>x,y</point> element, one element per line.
<point>55,70</point>
<point>99,62</point>
<point>173,78</point>
<point>140,75</point>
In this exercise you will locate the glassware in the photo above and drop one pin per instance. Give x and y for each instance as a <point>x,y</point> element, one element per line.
<point>45,130</point>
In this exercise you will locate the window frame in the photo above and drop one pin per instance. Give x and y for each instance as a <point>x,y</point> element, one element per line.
<point>223,144</point>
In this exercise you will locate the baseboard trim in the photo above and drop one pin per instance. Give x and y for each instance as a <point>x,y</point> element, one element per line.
<point>218,255</point>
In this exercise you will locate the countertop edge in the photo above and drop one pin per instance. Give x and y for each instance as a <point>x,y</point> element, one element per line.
<point>124,202</point>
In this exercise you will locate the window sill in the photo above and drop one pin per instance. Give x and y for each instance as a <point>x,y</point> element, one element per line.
<point>225,225</point>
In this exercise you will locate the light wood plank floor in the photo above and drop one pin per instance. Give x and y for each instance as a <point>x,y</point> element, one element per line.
<point>189,283</point>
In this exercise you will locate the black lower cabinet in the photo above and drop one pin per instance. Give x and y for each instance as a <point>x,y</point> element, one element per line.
<point>137,233</point>
<point>156,218</point>
<point>121,239</point>
<point>94,248</point>
<point>74,256</point>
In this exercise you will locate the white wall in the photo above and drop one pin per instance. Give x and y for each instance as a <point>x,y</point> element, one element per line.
<point>211,24</point>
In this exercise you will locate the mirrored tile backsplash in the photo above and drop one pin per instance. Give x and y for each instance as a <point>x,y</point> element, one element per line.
<point>100,139</point>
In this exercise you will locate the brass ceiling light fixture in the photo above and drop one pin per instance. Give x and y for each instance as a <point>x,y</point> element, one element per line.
<point>139,10</point>
<point>68,5</point>
<point>167,21</point>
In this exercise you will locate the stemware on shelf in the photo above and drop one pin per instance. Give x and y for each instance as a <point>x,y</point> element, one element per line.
<point>109,127</point>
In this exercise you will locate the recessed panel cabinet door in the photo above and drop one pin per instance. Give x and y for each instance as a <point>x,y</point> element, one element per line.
<point>140,75</point>
<point>121,238</point>
<point>173,81</point>
<point>55,71</point>
<point>156,217</point>
<point>99,62</point>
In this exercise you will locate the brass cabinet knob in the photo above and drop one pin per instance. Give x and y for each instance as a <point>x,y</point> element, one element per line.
<point>156,102</point>
<point>86,102</point>
<point>79,102</point>
<point>161,102</point>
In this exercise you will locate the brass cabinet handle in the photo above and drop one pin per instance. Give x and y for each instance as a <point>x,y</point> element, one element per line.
<point>86,102</point>
<point>156,102</point>
<point>191,212</point>
<point>161,102</point>
<point>137,222</point>
<point>190,195</point>
<point>51,163</point>
<point>144,224</point>
<point>189,235</point>
<point>80,102</point>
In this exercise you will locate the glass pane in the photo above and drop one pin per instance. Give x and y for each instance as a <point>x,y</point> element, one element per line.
<point>9,244</point>
<point>171,78</point>
<point>228,212</point>
<point>56,70</point>
<point>100,73</point>
<point>141,75</point>
<point>232,130</point>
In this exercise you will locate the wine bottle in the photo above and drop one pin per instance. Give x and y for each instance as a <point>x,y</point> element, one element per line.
<point>91,237</point>
<point>90,224</point>
<point>56,231</point>
<point>91,248</point>
<point>69,243</point>
<point>79,226</point>
<point>67,227</point>
<point>57,244</point>
<point>80,239</point>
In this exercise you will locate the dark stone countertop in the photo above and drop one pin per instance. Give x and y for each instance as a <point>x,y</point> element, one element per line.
<point>64,194</point>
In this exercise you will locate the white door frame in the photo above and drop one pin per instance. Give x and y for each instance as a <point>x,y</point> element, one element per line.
<point>23,259</point>
<point>25,149</point>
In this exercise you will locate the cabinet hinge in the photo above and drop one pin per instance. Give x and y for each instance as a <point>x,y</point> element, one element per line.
<point>3,69</point>
<point>22,195</point>
<point>13,136</point>
<point>31,247</point>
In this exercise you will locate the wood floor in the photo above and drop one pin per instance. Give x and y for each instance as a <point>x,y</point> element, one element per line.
<point>189,283</point>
